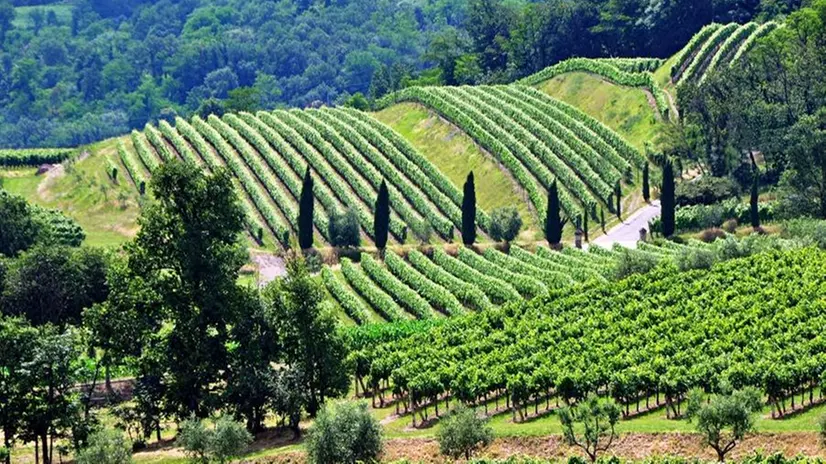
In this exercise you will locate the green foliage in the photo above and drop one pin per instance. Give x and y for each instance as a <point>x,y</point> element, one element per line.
<point>345,433</point>
<point>633,262</point>
<point>668,200</point>
<point>725,419</point>
<point>35,156</point>
<point>305,213</point>
<point>706,190</point>
<point>220,444</point>
<point>463,432</point>
<point>505,224</point>
<point>469,211</point>
<point>706,216</point>
<point>105,447</point>
<point>590,425</point>
<point>406,297</point>
<point>357,101</point>
<point>381,217</point>
<point>344,230</point>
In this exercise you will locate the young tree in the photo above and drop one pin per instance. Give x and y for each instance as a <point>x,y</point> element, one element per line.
<point>754,212</point>
<point>646,190</point>
<point>105,447</point>
<point>463,432</point>
<point>469,211</point>
<point>308,333</point>
<point>305,212</point>
<point>590,425</point>
<point>381,218</point>
<point>505,224</point>
<point>667,199</point>
<point>227,439</point>
<point>345,433</point>
<point>344,229</point>
<point>725,419</point>
<point>553,222</point>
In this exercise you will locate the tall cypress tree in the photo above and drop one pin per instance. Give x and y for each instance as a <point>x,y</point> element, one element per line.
<point>667,198</point>
<point>753,210</point>
<point>381,217</point>
<point>305,213</point>
<point>553,222</point>
<point>618,197</point>
<point>646,190</point>
<point>585,226</point>
<point>469,211</point>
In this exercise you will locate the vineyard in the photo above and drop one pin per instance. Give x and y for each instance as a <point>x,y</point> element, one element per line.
<point>34,156</point>
<point>716,45</point>
<point>538,139</point>
<point>424,286</point>
<point>754,321</point>
<point>349,153</point>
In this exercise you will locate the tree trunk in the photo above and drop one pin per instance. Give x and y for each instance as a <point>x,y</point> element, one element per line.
<point>44,448</point>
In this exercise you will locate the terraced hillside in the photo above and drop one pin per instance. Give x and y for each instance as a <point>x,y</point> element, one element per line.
<point>537,139</point>
<point>440,284</point>
<point>716,45</point>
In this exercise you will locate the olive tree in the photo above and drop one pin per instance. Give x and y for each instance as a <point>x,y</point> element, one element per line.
<point>590,425</point>
<point>725,419</point>
<point>344,433</point>
<point>463,432</point>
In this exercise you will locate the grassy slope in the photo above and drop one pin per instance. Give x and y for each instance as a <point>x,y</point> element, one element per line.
<point>624,109</point>
<point>106,211</point>
<point>455,154</point>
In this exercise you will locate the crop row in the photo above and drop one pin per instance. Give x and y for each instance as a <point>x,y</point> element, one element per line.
<point>751,40</point>
<point>686,55</point>
<point>635,64</point>
<point>349,302</point>
<point>407,297</point>
<point>34,156</point>
<point>375,296</point>
<point>145,153</point>
<point>155,137</point>
<point>728,47</point>
<point>526,285</point>
<point>438,296</point>
<point>132,167</point>
<point>705,52</point>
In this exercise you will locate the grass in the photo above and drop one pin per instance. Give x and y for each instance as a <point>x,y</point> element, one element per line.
<point>624,109</point>
<point>106,211</point>
<point>23,19</point>
<point>456,155</point>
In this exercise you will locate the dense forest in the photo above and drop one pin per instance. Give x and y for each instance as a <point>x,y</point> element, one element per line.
<point>78,71</point>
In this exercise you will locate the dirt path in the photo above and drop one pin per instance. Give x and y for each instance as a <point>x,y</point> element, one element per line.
<point>628,232</point>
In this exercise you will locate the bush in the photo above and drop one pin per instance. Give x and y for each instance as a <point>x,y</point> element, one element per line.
<point>344,432</point>
<point>344,229</point>
<point>807,230</point>
<point>704,216</point>
<point>463,432</point>
<point>505,224</point>
<point>730,226</point>
<point>821,425</point>
<point>712,234</point>
<point>633,262</point>
<point>695,258</point>
<point>220,444</point>
<point>705,191</point>
<point>422,230</point>
<point>105,447</point>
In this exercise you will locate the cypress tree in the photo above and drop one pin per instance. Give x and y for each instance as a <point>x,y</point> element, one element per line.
<point>602,219</point>
<point>753,210</point>
<point>667,198</point>
<point>553,223</point>
<point>646,191</point>
<point>618,196</point>
<point>381,217</point>
<point>469,211</point>
<point>305,213</point>
<point>585,226</point>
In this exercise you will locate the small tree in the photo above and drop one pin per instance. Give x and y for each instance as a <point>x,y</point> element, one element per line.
<point>618,197</point>
<point>305,213</point>
<point>344,229</point>
<point>646,189</point>
<point>596,420</point>
<point>105,447</point>
<point>463,432</point>
<point>344,433</point>
<point>469,211</point>
<point>381,217</point>
<point>505,224</point>
<point>667,199</point>
<point>203,445</point>
<point>753,209</point>
<point>553,221</point>
<point>725,419</point>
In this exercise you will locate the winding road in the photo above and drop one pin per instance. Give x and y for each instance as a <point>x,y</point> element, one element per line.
<point>628,232</point>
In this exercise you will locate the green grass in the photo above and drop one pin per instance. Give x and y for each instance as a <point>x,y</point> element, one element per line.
<point>106,211</point>
<point>23,19</point>
<point>624,109</point>
<point>456,154</point>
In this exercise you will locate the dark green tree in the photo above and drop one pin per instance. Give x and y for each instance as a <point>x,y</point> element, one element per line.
<point>754,212</point>
<point>505,224</point>
<point>381,217</point>
<point>469,211</point>
<point>646,190</point>
<point>305,212</point>
<point>618,198</point>
<point>553,220</point>
<point>345,432</point>
<point>17,342</point>
<point>463,432</point>
<point>667,199</point>
<point>18,227</point>
<point>344,229</point>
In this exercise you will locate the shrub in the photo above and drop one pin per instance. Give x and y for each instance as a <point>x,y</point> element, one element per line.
<point>344,229</point>
<point>712,234</point>
<point>595,420</point>
<point>505,224</point>
<point>422,230</point>
<point>821,425</point>
<point>633,262</point>
<point>104,447</point>
<point>695,258</point>
<point>730,226</point>
<point>705,191</point>
<point>463,432</point>
<point>346,433</point>
<point>220,444</point>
